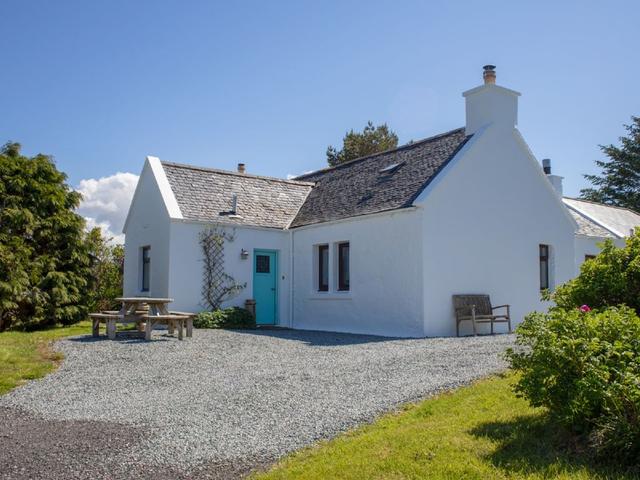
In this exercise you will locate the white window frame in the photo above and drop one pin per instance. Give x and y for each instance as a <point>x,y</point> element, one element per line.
<point>316,268</point>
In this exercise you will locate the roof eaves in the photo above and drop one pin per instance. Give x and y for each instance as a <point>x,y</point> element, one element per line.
<point>348,217</point>
<point>207,221</point>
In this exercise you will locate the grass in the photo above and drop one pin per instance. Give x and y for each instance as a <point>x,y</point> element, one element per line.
<point>28,355</point>
<point>478,432</point>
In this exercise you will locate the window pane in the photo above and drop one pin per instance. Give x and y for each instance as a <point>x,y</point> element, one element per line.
<point>343,266</point>
<point>323,268</point>
<point>544,267</point>
<point>146,264</point>
<point>544,275</point>
<point>263,264</point>
<point>544,251</point>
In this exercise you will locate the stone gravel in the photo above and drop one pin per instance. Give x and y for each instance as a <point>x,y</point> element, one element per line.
<point>236,399</point>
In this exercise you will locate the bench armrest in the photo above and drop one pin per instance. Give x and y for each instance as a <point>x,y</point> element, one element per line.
<point>500,306</point>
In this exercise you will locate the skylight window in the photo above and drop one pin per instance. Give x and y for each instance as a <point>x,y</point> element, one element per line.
<point>389,169</point>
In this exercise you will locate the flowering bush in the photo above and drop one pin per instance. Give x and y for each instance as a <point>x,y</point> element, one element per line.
<point>584,366</point>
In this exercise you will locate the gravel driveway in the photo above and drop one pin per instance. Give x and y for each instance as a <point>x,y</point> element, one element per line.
<point>219,404</point>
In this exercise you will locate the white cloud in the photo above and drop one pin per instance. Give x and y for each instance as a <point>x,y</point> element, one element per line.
<point>291,176</point>
<point>105,202</point>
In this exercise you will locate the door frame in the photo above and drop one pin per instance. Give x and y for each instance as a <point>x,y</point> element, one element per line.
<point>256,252</point>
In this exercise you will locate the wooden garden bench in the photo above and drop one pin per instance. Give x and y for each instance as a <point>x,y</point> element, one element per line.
<point>478,309</point>
<point>110,319</point>
<point>173,320</point>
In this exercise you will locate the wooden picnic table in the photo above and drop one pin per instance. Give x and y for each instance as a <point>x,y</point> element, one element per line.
<point>144,310</point>
<point>157,306</point>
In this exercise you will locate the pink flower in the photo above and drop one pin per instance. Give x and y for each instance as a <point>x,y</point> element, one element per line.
<point>585,308</point>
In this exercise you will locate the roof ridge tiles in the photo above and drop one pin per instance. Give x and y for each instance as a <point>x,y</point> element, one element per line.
<point>236,174</point>
<point>392,150</point>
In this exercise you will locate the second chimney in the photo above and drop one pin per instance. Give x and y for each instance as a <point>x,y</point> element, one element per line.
<point>556,180</point>
<point>241,168</point>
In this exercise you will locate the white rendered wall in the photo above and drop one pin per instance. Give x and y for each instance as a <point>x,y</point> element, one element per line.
<point>185,281</point>
<point>385,276</point>
<point>147,225</point>
<point>590,246</point>
<point>483,220</point>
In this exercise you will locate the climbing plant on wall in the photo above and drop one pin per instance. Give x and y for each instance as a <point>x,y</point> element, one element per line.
<point>217,285</point>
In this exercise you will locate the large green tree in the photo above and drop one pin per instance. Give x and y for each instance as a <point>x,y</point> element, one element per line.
<point>44,257</point>
<point>619,182</point>
<point>360,144</point>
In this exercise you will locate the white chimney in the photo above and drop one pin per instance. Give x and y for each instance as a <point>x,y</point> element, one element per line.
<point>556,180</point>
<point>490,104</point>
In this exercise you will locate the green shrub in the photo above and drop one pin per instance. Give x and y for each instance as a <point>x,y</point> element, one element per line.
<point>234,317</point>
<point>610,279</point>
<point>584,366</point>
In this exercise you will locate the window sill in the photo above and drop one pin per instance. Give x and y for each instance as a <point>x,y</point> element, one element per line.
<point>330,296</point>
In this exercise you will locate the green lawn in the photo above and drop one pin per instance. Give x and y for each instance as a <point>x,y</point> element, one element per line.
<point>479,432</point>
<point>25,356</point>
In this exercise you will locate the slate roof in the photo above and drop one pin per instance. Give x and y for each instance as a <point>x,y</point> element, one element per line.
<point>359,187</point>
<point>599,220</point>
<point>206,194</point>
<point>589,228</point>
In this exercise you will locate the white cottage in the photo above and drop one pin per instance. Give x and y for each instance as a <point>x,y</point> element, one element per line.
<point>377,245</point>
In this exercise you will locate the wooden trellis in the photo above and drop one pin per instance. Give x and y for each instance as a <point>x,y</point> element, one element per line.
<point>217,285</point>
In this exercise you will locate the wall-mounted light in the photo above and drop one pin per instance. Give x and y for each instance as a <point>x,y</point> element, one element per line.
<point>244,254</point>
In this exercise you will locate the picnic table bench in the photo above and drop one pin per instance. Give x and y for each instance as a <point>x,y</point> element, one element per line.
<point>145,312</point>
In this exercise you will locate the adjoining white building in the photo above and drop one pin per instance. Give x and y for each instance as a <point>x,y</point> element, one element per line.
<point>596,222</point>
<point>380,244</point>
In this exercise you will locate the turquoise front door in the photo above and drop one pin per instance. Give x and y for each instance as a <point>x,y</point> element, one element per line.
<point>265,286</point>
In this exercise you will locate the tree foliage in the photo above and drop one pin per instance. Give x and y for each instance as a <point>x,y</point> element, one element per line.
<point>44,258</point>
<point>360,144</point>
<point>107,266</point>
<point>619,182</point>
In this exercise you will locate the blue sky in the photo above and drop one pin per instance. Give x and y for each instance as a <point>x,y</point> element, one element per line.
<point>101,84</point>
